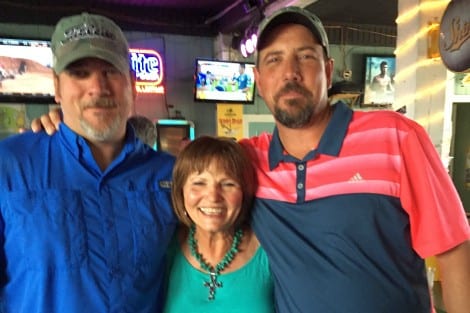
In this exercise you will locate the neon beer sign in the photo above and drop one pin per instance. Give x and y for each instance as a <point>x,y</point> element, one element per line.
<point>148,67</point>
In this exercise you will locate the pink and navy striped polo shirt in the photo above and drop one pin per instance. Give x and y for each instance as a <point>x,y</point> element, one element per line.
<point>346,228</point>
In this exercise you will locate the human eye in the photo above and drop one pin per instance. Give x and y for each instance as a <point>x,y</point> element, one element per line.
<point>230,184</point>
<point>198,182</point>
<point>112,71</point>
<point>78,72</point>
<point>307,56</point>
<point>272,59</point>
<point>309,53</point>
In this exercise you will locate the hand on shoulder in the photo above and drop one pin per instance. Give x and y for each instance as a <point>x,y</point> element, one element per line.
<point>48,122</point>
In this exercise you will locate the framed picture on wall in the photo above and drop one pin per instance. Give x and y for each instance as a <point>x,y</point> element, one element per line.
<point>379,83</point>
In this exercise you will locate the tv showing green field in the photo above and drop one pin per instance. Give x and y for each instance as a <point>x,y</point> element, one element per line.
<point>224,82</point>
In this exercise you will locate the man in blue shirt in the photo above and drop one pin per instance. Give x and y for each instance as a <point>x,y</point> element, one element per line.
<point>201,78</point>
<point>243,80</point>
<point>85,214</point>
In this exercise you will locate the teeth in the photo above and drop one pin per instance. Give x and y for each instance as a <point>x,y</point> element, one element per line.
<point>211,210</point>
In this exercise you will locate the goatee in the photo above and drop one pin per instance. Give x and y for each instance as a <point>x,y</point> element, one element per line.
<point>305,107</point>
<point>110,124</point>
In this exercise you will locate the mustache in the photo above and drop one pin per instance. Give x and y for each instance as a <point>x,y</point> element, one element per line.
<point>99,103</point>
<point>292,86</point>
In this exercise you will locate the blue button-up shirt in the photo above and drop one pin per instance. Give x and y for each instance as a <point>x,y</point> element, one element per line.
<point>78,239</point>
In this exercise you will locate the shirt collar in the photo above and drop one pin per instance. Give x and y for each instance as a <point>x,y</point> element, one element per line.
<point>330,142</point>
<point>75,141</point>
<point>80,147</point>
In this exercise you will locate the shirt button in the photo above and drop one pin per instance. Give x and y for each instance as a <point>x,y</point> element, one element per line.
<point>300,167</point>
<point>114,272</point>
<point>300,186</point>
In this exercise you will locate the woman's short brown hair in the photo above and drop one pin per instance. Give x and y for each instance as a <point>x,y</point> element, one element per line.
<point>198,155</point>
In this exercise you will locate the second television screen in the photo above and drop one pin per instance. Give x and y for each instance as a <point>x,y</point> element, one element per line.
<point>224,81</point>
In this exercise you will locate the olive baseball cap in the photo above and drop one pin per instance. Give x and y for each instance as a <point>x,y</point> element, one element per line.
<point>89,36</point>
<point>293,15</point>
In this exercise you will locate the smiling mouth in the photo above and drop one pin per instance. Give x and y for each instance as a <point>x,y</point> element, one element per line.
<point>211,211</point>
<point>100,107</point>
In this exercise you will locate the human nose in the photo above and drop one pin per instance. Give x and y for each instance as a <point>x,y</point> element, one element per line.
<point>214,192</point>
<point>99,84</point>
<point>292,70</point>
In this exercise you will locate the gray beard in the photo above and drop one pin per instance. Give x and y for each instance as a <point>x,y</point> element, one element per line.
<point>104,134</point>
<point>101,135</point>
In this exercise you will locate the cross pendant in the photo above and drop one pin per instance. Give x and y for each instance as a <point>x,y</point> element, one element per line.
<point>212,285</point>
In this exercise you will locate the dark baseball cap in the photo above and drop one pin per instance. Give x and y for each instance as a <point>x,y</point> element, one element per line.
<point>88,35</point>
<point>293,15</point>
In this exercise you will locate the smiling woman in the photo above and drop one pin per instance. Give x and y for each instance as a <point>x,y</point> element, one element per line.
<point>215,250</point>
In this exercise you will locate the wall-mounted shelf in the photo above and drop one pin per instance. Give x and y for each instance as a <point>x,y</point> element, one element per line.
<point>352,99</point>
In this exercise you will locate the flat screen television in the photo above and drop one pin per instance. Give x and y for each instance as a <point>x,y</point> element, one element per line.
<point>379,80</point>
<point>224,82</point>
<point>26,71</point>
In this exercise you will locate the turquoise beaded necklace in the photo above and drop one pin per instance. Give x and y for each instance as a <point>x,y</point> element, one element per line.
<point>214,271</point>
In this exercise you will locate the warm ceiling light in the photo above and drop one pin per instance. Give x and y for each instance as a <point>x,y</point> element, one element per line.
<point>250,48</point>
<point>248,42</point>
<point>254,39</point>
<point>243,50</point>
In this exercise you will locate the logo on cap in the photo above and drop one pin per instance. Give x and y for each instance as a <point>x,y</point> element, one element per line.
<point>86,31</point>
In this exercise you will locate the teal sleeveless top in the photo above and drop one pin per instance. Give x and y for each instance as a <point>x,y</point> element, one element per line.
<point>248,289</point>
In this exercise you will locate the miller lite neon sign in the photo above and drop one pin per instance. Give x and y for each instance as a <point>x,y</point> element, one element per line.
<point>148,68</point>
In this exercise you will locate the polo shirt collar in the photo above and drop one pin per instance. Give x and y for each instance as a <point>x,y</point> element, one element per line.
<point>330,142</point>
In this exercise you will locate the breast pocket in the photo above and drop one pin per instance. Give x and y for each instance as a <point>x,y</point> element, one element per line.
<point>45,230</point>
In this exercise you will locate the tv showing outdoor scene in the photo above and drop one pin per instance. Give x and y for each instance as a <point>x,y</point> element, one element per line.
<point>224,82</point>
<point>26,71</point>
